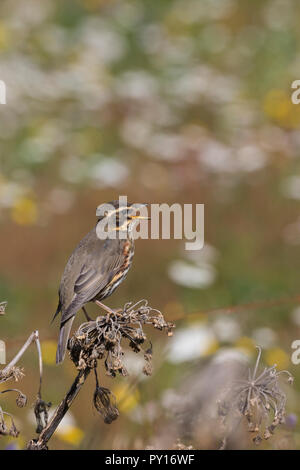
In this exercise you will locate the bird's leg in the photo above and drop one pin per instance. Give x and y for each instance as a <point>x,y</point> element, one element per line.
<point>86,314</point>
<point>107,309</point>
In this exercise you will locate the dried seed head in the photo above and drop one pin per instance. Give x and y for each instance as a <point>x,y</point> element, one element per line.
<point>14,432</point>
<point>34,445</point>
<point>104,338</point>
<point>4,429</point>
<point>148,367</point>
<point>180,446</point>
<point>3,307</point>
<point>267,434</point>
<point>290,380</point>
<point>105,404</point>
<point>41,409</point>
<point>259,399</point>
<point>101,339</point>
<point>257,440</point>
<point>21,400</point>
<point>14,373</point>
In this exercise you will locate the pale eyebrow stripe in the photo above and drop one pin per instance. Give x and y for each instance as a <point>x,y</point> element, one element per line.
<point>115,211</point>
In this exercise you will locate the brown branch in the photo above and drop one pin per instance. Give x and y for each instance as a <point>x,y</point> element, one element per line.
<point>248,306</point>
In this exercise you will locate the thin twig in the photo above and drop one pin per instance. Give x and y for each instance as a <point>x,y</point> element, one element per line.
<point>13,372</point>
<point>250,306</point>
<point>38,346</point>
<point>34,337</point>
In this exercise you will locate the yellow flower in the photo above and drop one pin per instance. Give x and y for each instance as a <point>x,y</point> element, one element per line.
<point>277,356</point>
<point>24,211</point>
<point>278,106</point>
<point>49,352</point>
<point>199,317</point>
<point>126,399</point>
<point>4,36</point>
<point>246,344</point>
<point>212,348</point>
<point>71,435</point>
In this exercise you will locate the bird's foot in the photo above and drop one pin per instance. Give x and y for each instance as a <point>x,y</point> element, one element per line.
<point>86,314</point>
<point>107,309</point>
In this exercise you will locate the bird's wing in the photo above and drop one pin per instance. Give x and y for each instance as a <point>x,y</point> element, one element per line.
<point>91,280</point>
<point>57,311</point>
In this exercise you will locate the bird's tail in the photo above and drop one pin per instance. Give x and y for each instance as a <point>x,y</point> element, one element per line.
<point>63,340</point>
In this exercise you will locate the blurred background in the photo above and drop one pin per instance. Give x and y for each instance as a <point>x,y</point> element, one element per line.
<point>185,101</point>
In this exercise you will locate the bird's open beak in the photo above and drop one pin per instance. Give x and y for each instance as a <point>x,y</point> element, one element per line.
<point>141,217</point>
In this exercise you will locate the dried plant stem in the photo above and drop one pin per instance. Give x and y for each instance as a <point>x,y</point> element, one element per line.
<point>48,431</point>
<point>34,337</point>
<point>98,340</point>
<point>13,372</point>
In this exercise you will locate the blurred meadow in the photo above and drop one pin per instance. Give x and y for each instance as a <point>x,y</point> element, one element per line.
<point>185,101</point>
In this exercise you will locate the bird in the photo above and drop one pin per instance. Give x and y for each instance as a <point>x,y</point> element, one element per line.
<point>97,266</point>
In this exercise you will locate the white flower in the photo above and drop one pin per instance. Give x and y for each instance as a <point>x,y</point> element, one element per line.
<point>107,45</point>
<point>166,147</point>
<point>108,172</point>
<point>230,354</point>
<point>226,329</point>
<point>207,255</point>
<point>138,84</point>
<point>264,337</point>
<point>291,187</point>
<point>251,158</point>
<point>190,343</point>
<point>60,200</point>
<point>197,277</point>
<point>218,157</point>
<point>136,132</point>
<point>9,192</point>
<point>134,364</point>
<point>295,316</point>
<point>72,169</point>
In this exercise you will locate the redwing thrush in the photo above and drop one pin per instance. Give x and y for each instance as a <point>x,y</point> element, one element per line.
<point>96,267</point>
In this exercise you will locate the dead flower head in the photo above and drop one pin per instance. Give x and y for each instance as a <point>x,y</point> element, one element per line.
<point>105,404</point>
<point>11,430</point>
<point>13,373</point>
<point>6,430</point>
<point>3,306</point>
<point>148,368</point>
<point>259,399</point>
<point>101,339</point>
<point>41,409</point>
<point>21,399</point>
